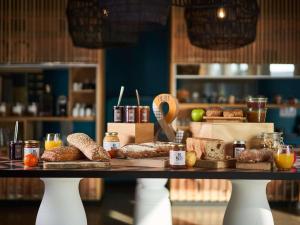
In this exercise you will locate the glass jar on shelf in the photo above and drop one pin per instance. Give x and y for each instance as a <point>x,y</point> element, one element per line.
<point>272,140</point>
<point>256,110</point>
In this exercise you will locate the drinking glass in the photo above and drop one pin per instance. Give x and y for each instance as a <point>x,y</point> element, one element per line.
<point>52,141</point>
<point>284,157</point>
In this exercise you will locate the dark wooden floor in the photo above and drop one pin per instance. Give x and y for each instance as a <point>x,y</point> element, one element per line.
<point>116,208</point>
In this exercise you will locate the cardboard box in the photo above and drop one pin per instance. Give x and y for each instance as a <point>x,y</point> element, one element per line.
<point>132,132</point>
<point>229,132</point>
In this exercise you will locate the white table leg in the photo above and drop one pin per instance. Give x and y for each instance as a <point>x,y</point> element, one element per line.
<point>61,204</point>
<point>152,203</point>
<point>248,204</point>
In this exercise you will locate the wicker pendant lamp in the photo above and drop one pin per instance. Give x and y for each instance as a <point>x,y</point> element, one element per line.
<point>220,24</point>
<point>113,23</point>
<point>90,26</point>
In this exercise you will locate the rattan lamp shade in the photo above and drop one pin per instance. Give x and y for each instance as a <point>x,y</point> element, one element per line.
<point>221,24</point>
<point>90,27</point>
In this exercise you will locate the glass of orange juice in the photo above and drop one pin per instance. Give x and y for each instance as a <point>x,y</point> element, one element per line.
<point>284,157</point>
<point>52,141</point>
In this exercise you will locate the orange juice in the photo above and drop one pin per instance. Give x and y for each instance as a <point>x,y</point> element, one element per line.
<point>51,144</point>
<point>284,160</point>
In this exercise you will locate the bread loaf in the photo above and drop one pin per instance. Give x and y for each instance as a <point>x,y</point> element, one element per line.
<point>256,155</point>
<point>88,147</point>
<point>206,148</point>
<point>214,112</point>
<point>233,113</point>
<point>146,150</point>
<point>65,153</point>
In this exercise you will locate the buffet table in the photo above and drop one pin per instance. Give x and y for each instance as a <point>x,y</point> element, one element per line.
<point>61,204</point>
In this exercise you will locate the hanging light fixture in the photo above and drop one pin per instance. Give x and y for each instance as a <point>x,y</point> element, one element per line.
<point>220,24</point>
<point>90,26</point>
<point>112,23</point>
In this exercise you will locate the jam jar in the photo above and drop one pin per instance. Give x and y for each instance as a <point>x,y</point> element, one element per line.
<point>111,143</point>
<point>238,147</point>
<point>118,114</point>
<point>177,156</point>
<point>15,150</point>
<point>143,114</point>
<point>32,147</point>
<point>257,110</point>
<point>130,114</point>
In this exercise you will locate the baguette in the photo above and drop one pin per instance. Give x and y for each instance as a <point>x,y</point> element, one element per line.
<point>88,147</point>
<point>64,153</point>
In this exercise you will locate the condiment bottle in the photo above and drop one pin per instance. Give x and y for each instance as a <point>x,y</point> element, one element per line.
<point>238,147</point>
<point>177,156</point>
<point>15,150</point>
<point>111,143</point>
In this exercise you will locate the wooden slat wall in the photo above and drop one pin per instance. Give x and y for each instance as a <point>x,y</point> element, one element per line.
<point>35,31</point>
<point>204,190</point>
<point>277,41</point>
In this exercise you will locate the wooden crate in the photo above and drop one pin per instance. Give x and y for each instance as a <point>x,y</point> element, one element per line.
<point>132,132</point>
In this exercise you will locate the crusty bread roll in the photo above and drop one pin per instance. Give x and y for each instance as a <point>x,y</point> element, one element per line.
<point>64,153</point>
<point>88,147</point>
<point>256,155</point>
<point>214,112</point>
<point>233,113</point>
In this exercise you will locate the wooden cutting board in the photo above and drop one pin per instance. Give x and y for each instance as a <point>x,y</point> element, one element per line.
<point>255,166</point>
<point>216,164</point>
<point>160,162</point>
<point>224,119</point>
<point>75,165</point>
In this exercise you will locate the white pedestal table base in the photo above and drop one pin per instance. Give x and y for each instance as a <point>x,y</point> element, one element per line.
<point>61,204</point>
<point>248,204</point>
<point>152,203</point>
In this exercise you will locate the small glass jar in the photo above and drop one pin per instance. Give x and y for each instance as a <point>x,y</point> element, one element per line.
<point>15,150</point>
<point>32,147</point>
<point>284,157</point>
<point>272,140</point>
<point>118,112</point>
<point>111,143</point>
<point>130,114</point>
<point>177,156</point>
<point>238,147</point>
<point>143,114</point>
<point>257,110</point>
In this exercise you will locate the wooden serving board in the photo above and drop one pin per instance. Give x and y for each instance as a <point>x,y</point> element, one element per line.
<point>255,166</point>
<point>216,164</point>
<point>75,165</point>
<point>224,119</point>
<point>160,162</point>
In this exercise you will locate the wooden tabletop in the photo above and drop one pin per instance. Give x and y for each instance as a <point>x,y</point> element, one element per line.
<point>17,169</point>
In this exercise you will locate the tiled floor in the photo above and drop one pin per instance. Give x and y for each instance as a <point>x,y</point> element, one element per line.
<point>116,208</point>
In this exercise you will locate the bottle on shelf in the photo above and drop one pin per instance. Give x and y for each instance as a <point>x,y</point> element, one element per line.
<point>46,102</point>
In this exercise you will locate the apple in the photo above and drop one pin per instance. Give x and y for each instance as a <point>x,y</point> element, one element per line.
<point>197,114</point>
<point>191,158</point>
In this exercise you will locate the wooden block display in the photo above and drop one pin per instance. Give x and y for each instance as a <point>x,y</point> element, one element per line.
<point>160,162</point>
<point>255,166</point>
<point>75,165</point>
<point>229,132</point>
<point>132,132</point>
<point>216,164</point>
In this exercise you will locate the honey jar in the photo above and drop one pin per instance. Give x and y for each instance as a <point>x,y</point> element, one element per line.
<point>177,156</point>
